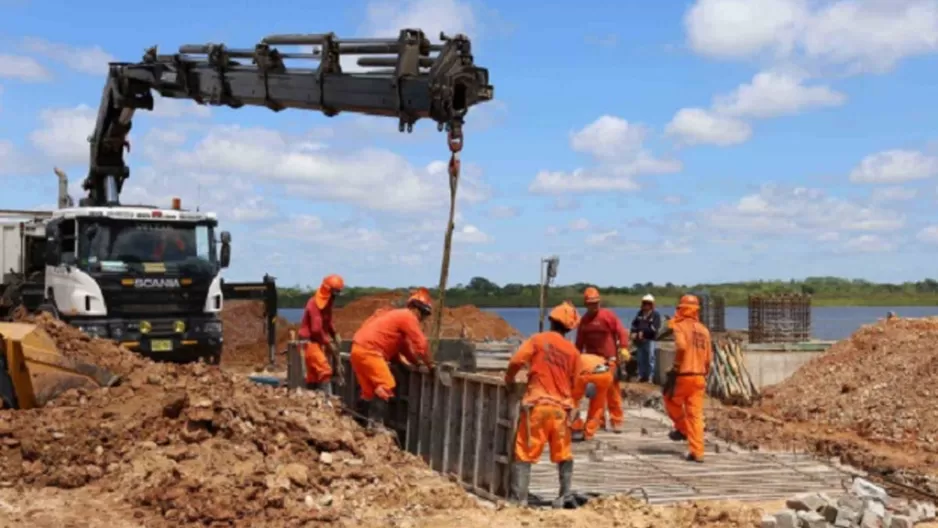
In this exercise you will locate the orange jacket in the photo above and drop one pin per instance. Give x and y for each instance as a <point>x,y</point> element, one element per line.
<point>393,333</point>
<point>552,369</point>
<point>693,349</point>
<point>600,332</point>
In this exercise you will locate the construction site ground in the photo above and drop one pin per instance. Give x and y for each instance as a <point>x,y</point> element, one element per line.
<point>642,462</point>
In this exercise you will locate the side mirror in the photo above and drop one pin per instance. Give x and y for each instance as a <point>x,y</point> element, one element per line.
<point>225,257</point>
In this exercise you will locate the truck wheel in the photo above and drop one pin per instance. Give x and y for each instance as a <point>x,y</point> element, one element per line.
<point>49,309</point>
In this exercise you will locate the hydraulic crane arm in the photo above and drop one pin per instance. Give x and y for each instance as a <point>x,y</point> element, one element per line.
<point>414,79</point>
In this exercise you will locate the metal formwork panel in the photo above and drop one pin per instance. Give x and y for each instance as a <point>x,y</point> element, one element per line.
<point>465,428</point>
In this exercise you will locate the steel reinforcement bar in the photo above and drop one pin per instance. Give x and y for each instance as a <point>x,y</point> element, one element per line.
<point>463,427</point>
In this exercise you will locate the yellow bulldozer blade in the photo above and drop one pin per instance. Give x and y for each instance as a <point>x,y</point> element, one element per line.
<point>33,371</point>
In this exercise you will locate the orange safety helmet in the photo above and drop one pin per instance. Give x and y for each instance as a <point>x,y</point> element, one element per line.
<point>333,283</point>
<point>420,300</point>
<point>565,314</point>
<point>591,295</point>
<point>689,301</point>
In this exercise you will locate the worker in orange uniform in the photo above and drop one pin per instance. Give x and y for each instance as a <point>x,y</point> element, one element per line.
<point>318,330</point>
<point>594,377</point>
<point>547,406</point>
<point>686,384</point>
<point>383,338</point>
<point>601,333</point>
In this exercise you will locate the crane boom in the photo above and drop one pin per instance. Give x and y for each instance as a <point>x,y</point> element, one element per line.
<point>414,79</point>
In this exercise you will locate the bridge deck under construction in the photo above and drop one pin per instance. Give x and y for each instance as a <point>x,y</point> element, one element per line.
<point>643,461</point>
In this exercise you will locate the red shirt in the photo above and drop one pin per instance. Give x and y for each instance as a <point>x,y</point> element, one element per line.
<point>316,324</point>
<point>599,332</point>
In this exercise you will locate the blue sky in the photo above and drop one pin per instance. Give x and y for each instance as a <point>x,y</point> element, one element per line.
<point>694,141</point>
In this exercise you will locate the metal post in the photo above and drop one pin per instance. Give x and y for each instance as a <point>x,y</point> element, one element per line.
<point>543,299</point>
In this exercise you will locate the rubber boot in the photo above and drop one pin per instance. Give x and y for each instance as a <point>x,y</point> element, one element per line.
<point>520,480</point>
<point>362,408</point>
<point>565,470</point>
<point>324,387</point>
<point>377,410</point>
<point>676,436</point>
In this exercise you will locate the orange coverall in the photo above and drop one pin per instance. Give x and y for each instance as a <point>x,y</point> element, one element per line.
<point>692,360</point>
<point>552,362</point>
<point>383,338</point>
<point>587,373</point>
<point>317,327</point>
<point>598,334</point>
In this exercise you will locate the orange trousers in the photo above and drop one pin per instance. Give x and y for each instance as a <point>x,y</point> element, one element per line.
<point>614,400</point>
<point>594,416</point>
<point>372,373</point>
<point>539,426</point>
<point>318,369</point>
<point>686,410</point>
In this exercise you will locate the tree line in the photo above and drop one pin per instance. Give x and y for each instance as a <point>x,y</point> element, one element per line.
<point>825,291</point>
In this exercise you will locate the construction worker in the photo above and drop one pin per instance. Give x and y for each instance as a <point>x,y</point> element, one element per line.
<point>645,328</point>
<point>601,333</point>
<point>547,406</point>
<point>385,337</point>
<point>318,330</point>
<point>594,377</point>
<point>686,384</point>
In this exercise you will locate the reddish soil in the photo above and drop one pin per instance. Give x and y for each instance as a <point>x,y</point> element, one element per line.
<point>463,321</point>
<point>870,400</point>
<point>246,335</point>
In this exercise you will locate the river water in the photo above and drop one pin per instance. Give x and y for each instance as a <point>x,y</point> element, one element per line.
<point>827,322</point>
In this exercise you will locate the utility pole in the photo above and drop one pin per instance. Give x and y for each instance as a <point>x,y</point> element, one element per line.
<point>548,273</point>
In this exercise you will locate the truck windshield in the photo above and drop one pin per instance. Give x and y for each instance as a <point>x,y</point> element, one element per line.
<point>115,245</point>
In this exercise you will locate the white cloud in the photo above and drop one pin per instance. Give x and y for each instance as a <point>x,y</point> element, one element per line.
<point>22,68</point>
<point>312,229</point>
<point>63,134</point>
<point>868,244</point>
<point>799,211</point>
<point>606,237</point>
<point>895,166</point>
<point>608,137</point>
<point>565,203</point>
<point>774,94</point>
<point>386,18</point>
<point>92,60</point>
<point>307,168</point>
<point>929,234</point>
<point>580,224</point>
<point>470,234</point>
<point>854,35</point>
<point>893,194</point>
<point>696,126</point>
<point>618,147</point>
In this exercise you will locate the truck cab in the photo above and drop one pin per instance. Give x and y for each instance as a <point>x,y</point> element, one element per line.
<point>149,278</point>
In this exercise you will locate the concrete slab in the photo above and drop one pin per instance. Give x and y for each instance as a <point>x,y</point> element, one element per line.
<point>642,461</point>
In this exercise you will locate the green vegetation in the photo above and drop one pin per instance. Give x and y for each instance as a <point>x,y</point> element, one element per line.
<point>825,291</point>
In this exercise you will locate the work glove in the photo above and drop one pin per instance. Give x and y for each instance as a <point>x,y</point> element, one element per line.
<point>624,355</point>
<point>670,383</point>
<point>590,391</point>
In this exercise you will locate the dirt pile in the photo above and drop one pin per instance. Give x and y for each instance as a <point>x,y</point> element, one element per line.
<point>246,334</point>
<point>869,400</point>
<point>462,321</point>
<point>193,444</point>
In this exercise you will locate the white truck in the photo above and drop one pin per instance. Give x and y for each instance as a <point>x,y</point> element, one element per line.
<point>144,276</point>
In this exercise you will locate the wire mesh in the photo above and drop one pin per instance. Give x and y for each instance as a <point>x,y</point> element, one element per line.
<point>784,318</point>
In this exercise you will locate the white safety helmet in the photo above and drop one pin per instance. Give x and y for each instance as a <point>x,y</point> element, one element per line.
<point>649,298</point>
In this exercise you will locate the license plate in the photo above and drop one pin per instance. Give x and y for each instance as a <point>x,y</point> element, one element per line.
<point>161,345</point>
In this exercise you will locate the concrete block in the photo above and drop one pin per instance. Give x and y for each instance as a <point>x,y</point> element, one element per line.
<point>850,502</point>
<point>806,502</point>
<point>900,521</point>
<point>811,519</point>
<point>768,521</point>
<point>871,519</point>
<point>841,516</point>
<point>875,506</point>
<point>787,519</point>
<point>922,511</point>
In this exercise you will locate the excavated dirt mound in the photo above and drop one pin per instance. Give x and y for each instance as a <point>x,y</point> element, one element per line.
<point>463,321</point>
<point>869,400</point>
<point>246,334</point>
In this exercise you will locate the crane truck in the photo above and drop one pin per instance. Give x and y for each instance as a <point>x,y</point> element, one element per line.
<point>151,277</point>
